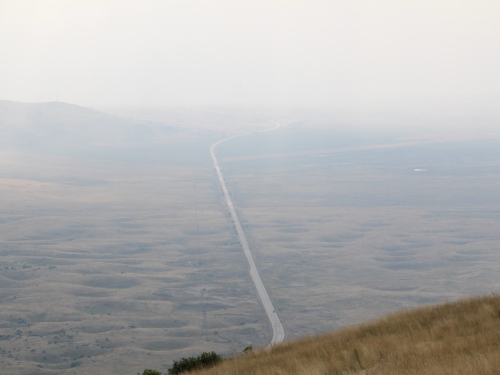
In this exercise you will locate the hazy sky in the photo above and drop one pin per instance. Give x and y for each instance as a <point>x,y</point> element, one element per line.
<point>197,52</point>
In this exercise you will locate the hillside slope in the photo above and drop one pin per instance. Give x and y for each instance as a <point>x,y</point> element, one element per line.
<point>454,338</point>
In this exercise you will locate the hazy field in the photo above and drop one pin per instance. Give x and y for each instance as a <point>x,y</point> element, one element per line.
<point>115,258</point>
<point>117,253</point>
<point>345,236</point>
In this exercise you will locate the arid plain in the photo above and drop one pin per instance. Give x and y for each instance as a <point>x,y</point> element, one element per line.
<point>344,236</point>
<point>118,254</point>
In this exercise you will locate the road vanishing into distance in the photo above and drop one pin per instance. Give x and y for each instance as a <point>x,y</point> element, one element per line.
<point>278,331</point>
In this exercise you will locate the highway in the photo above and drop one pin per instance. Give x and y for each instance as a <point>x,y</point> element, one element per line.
<point>278,331</point>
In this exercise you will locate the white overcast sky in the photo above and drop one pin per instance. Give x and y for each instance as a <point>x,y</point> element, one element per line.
<point>289,52</point>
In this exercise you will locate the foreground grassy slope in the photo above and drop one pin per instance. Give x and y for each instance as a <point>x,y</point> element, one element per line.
<point>453,338</point>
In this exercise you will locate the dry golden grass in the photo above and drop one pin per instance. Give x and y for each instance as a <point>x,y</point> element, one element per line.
<point>454,338</point>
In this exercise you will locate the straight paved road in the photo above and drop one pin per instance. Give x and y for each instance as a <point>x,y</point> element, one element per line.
<point>278,331</point>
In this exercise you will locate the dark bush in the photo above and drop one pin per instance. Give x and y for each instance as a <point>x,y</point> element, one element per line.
<point>151,372</point>
<point>204,360</point>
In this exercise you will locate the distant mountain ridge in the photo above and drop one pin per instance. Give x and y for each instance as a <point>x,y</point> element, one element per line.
<point>26,125</point>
